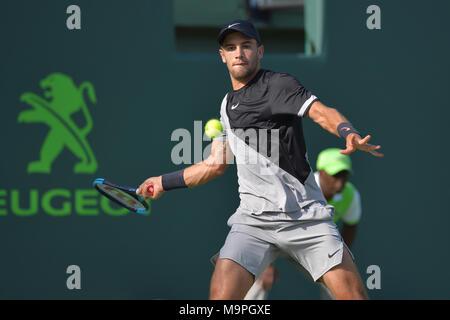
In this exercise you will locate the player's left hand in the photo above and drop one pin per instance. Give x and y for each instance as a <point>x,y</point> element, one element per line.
<point>354,142</point>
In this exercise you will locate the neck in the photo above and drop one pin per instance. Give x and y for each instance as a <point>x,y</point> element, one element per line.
<point>237,84</point>
<point>328,197</point>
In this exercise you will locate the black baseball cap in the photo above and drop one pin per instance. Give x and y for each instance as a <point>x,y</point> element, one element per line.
<point>243,26</point>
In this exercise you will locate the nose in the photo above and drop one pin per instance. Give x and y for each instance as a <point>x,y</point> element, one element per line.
<point>238,52</point>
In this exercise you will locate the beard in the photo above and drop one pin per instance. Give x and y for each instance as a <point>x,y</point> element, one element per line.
<point>243,72</point>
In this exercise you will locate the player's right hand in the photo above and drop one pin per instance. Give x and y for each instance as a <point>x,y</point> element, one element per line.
<point>157,188</point>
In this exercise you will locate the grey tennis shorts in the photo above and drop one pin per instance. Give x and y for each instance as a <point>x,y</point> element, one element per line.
<point>309,239</point>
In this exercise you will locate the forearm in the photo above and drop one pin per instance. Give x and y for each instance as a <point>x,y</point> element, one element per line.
<point>329,119</point>
<point>199,173</point>
<point>202,172</point>
<point>212,167</point>
<point>192,176</point>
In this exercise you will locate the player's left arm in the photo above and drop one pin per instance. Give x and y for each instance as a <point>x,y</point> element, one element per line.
<point>334,122</point>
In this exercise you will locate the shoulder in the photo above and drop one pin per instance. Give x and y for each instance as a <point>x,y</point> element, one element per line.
<point>225,97</point>
<point>351,194</point>
<point>351,187</point>
<point>224,102</point>
<point>349,190</point>
<point>283,80</point>
<point>357,196</point>
<point>352,213</point>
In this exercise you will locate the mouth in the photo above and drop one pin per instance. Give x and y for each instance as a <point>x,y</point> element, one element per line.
<point>240,64</point>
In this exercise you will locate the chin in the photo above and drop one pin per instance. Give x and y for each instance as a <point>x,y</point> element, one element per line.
<point>241,74</point>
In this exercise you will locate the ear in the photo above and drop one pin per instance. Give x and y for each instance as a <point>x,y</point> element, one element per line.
<point>260,51</point>
<point>222,55</point>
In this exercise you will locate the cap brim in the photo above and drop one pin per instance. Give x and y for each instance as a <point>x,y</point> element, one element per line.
<point>337,167</point>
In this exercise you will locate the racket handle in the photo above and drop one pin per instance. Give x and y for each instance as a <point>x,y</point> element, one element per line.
<point>150,189</point>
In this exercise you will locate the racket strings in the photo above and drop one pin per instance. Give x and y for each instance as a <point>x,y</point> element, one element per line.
<point>122,196</point>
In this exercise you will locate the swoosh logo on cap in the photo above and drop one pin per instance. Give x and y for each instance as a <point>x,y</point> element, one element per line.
<point>232,25</point>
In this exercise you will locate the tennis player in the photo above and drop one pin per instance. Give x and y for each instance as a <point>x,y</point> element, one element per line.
<point>284,211</point>
<point>334,170</point>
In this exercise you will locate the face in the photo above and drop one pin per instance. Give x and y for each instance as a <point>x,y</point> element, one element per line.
<point>332,185</point>
<point>241,55</point>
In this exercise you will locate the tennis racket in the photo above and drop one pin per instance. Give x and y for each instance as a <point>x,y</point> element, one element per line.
<point>122,195</point>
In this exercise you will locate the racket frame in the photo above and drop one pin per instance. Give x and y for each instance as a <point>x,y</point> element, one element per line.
<point>129,190</point>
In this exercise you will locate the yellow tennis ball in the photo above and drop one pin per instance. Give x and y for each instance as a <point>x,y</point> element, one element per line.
<point>213,128</point>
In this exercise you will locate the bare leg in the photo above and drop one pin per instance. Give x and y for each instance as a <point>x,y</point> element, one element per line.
<point>230,281</point>
<point>261,287</point>
<point>344,280</point>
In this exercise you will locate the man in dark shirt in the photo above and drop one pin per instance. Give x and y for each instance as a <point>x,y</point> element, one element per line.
<point>282,208</point>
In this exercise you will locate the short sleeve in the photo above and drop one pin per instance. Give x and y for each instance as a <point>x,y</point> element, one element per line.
<point>223,136</point>
<point>353,214</point>
<point>288,96</point>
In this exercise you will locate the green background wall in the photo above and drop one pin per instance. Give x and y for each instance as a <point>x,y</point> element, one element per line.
<point>391,83</point>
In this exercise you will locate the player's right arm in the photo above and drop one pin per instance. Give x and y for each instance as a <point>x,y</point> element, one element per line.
<point>212,167</point>
<point>197,174</point>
